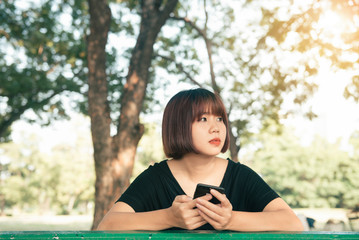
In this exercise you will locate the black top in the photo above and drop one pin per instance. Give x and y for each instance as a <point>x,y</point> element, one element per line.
<point>156,188</point>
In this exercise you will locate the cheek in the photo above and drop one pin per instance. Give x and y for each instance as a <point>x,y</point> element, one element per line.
<point>224,131</point>
<point>195,134</point>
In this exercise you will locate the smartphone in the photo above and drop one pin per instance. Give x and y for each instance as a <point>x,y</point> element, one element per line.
<point>203,189</point>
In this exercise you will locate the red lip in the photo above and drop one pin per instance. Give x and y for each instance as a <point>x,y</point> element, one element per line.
<point>215,141</point>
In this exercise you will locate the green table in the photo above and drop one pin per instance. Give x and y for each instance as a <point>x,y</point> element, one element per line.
<point>200,235</point>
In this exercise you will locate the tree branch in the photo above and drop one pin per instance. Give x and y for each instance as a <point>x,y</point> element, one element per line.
<point>14,116</point>
<point>208,42</point>
<point>181,68</point>
<point>201,32</point>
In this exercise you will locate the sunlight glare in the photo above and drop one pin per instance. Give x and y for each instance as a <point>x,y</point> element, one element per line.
<point>332,26</point>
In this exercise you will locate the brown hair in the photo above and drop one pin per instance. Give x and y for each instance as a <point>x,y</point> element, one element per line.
<point>181,111</point>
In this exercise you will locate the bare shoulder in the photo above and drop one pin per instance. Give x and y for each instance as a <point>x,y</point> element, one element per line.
<point>121,207</point>
<point>276,204</point>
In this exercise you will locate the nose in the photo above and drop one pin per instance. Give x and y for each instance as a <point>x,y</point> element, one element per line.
<point>214,127</point>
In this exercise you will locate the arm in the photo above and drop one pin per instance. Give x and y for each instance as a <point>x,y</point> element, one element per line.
<point>180,214</point>
<point>122,217</point>
<point>276,216</point>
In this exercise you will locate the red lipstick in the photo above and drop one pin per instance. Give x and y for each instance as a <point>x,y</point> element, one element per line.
<point>215,141</point>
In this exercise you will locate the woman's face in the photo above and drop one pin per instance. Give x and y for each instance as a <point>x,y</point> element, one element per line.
<point>208,134</point>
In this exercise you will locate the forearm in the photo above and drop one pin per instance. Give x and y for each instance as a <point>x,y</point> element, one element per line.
<point>154,220</point>
<point>280,220</point>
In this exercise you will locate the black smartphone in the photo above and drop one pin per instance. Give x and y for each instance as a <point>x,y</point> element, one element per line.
<point>203,189</point>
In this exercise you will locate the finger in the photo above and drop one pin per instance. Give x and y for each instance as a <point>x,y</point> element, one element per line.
<point>183,198</point>
<point>192,213</point>
<point>207,197</point>
<point>207,218</point>
<point>221,197</point>
<point>191,204</point>
<point>207,204</point>
<point>209,209</point>
<point>199,224</point>
<point>193,222</point>
<point>198,219</point>
<point>195,225</point>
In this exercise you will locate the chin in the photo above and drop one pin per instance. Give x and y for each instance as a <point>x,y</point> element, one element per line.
<point>214,154</point>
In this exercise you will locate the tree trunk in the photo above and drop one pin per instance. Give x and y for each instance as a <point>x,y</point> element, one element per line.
<point>114,157</point>
<point>233,148</point>
<point>99,111</point>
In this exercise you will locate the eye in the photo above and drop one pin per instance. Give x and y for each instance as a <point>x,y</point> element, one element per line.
<point>220,119</point>
<point>203,119</point>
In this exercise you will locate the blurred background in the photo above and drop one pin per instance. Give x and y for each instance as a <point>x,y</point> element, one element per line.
<point>83,85</point>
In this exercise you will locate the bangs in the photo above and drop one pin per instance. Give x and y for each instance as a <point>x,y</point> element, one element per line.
<point>208,106</point>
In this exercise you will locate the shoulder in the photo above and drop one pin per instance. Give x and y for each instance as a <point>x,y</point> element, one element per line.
<point>237,165</point>
<point>158,166</point>
<point>147,179</point>
<point>237,168</point>
<point>153,170</point>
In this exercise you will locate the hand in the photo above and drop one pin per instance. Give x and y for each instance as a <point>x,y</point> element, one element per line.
<point>184,214</point>
<point>219,216</point>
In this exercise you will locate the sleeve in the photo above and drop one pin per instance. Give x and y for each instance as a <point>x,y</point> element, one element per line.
<point>259,193</point>
<point>139,194</point>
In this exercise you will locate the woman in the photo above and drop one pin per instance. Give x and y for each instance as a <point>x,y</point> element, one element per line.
<point>194,131</point>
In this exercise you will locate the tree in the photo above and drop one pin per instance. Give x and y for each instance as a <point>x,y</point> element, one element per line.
<point>77,174</point>
<point>296,172</point>
<point>58,182</point>
<point>114,156</point>
<point>240,64</point>
<point>245,67</point>
<point>319,30</point>
<point>30,178</point>
<point>208,41</point>
<point>41,61</point>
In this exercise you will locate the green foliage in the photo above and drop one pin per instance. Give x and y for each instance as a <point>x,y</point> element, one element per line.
<point>49,56</point>
<point>43,61</point>
<point>262,53</point>
<point>319,175</point>
<point>251,67</point>
<point>59,182</point>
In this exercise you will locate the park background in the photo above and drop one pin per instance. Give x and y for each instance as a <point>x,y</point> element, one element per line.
<point>286,70</point>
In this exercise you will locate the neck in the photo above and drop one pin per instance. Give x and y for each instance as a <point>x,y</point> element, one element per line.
<point>198,166</point>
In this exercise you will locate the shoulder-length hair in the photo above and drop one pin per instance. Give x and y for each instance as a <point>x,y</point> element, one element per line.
<point>181,111</point>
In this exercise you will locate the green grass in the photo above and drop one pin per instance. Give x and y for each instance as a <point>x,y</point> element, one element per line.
<point>45,223</point>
